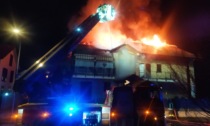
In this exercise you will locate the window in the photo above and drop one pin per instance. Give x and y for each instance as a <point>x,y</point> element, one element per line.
<point>148,70</point>
<point>11,76</point>
<point>142,70</point>
<point>4,74</point>
<point>109,72</point>
<point>90,71</point>
<point>99,71</point>
<point>159,70</point>
<point>11,60</point>
<point>80,70</point>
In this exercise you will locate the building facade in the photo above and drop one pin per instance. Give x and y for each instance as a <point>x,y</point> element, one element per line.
<point>171,67</point>
<point>93,73</point>
<point>88,72</point>
<point>95,69</point>
<point>7,73</point>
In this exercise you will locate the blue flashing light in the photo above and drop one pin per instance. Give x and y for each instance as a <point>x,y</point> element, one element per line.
<point>6,94</point>
<point>78,29</point>
<point>71,109</point>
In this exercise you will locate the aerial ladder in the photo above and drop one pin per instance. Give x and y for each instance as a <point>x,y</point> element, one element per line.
<point>89,114</point>
<point>104,13</point>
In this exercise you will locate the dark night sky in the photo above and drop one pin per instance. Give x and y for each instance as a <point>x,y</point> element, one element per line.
<point>46,21</point>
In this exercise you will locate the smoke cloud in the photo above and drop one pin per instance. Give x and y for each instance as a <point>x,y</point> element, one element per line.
<point>134,20</point>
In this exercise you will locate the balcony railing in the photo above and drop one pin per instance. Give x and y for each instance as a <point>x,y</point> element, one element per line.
<point>154,76</point>
<point>93,72</point>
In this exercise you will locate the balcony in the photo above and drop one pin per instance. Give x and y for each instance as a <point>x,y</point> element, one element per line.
<point>94,72</point>
<point>158,77</point>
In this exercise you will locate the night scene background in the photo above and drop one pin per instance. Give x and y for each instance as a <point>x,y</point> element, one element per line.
<point>183,23</point>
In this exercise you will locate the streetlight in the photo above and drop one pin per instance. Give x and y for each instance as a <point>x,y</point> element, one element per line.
<point>17,33</point>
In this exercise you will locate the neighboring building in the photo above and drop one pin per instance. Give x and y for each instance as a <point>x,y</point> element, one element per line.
<point>7,66</point>
<point>7,74</point>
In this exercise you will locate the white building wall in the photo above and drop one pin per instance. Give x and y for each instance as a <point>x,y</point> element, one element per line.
<point>125,64</point>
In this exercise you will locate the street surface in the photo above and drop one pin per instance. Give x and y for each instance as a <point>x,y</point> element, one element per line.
<point>174,122</point>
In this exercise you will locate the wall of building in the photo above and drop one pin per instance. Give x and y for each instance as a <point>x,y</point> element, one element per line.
<point>7,81</point>
<point>166,69</point>
<point>125,64</point>
<point>92,90</point>
<point>180,73</point>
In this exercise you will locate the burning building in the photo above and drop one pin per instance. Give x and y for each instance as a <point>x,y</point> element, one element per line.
<point>170,67</point>
<point>136,42</point>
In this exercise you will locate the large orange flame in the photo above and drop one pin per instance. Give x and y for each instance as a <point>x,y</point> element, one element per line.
<point>155,41</point>
<point>135,22</point>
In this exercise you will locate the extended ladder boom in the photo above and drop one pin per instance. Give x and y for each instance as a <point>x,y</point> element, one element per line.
<point>71,41</point>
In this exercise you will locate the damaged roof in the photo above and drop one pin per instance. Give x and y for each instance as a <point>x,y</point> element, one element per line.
<point>168,50</point>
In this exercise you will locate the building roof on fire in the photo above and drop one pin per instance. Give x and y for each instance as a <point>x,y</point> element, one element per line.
<point>91,50</point>
<point>168,50</point>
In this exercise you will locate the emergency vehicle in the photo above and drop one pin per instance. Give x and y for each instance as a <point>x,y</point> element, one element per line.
<point>137,104</point>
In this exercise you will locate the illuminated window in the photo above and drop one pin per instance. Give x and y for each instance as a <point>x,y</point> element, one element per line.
<point>159,70</point>
<point>4,74</point>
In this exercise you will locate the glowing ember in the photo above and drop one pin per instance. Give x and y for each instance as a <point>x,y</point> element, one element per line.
<point>155,41</point>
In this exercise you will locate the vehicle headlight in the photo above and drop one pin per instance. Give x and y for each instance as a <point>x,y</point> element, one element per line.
<point>155,118</point>
<point>113,114</point>
<point>45,114</point>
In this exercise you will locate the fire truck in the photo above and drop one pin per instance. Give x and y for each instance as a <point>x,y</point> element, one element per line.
<point>137,104</point>
<point>65,109</point>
